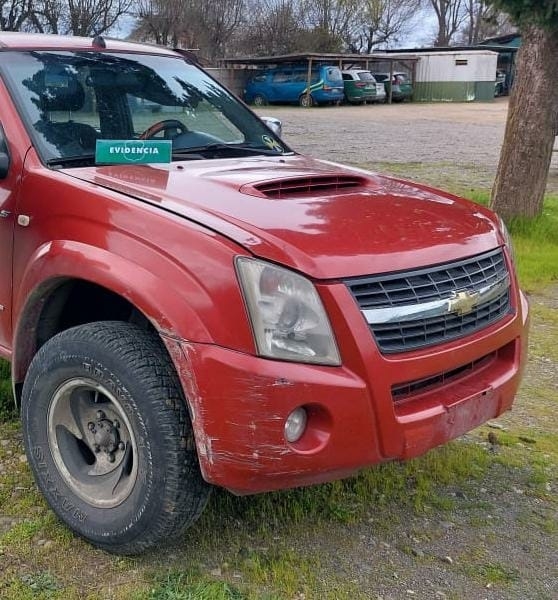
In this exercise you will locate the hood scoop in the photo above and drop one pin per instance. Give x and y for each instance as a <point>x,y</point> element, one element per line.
<point>313,185</point>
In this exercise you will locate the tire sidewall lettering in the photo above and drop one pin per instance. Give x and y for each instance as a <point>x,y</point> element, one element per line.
<point>62,499</point>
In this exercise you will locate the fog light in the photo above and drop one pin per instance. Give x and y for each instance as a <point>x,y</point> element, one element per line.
<point>295,424</point>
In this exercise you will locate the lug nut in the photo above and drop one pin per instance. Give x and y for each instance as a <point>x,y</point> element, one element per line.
<point>91,427</point>
<point>121,445</point>
<point>110,458</point>
<point>96,448</point>
<point>100,414</point>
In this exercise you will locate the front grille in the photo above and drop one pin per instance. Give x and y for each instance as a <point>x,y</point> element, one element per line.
<point>409,389</point>
<point>415,287</point>
<point>422,286</point>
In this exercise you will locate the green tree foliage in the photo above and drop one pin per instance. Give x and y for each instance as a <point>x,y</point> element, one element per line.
<point>541,13</point>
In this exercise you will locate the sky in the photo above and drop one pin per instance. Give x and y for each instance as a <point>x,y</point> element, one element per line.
<point>420,34</point>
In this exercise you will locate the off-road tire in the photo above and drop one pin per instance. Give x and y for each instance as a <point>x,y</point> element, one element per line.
<point>164,491</point>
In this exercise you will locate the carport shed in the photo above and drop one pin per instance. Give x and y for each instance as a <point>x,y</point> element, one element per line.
<point>234,72</point>
<point>455,74</point>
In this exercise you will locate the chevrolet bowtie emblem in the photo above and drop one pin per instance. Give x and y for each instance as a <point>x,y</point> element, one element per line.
<point>462,303</point>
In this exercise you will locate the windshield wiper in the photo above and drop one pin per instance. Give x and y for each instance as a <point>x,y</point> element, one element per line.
<point>234,148</point>
<point>195,152</point>
<point>63,161</point>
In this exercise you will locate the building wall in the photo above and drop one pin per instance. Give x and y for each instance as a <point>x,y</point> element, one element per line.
<point>457,66</point>
<point>233,79</point>
<point>456,77</point>
<point>452,76</point>
<point>453,91</point>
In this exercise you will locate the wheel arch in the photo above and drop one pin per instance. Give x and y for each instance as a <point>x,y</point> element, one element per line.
<point>57,292</point>
<point>311,100</point>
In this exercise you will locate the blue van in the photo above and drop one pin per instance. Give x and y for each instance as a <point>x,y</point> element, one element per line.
<point>289,84</point>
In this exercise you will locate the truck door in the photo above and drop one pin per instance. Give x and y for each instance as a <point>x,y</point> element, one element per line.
<point>14,143</point>
<point>7,202</point>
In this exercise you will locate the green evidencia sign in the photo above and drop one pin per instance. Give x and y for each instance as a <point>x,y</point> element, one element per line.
<point>125,152</point>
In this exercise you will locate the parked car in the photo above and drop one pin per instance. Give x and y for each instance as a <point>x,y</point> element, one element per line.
<point>500,85</point>
<point>187,302</point>
<point>361,87</point>
<point>289,84</point>
<point>400,84</point>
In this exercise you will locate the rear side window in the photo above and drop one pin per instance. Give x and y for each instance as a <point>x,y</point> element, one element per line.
<point>380,77</point>
<point>366,76</point>
<point>333,74</point>
<point>347,77</point>
<point>282,77</point>
<point>300,76</point>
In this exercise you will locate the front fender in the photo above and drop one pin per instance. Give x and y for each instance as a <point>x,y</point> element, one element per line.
<point>166,293</point>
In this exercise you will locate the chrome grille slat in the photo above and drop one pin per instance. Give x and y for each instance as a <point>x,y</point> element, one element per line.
<point>437,283</point>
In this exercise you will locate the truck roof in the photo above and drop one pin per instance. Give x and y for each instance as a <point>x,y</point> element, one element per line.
<point>38,41</point>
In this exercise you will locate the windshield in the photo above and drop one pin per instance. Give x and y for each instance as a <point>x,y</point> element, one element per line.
<point>69,100</point>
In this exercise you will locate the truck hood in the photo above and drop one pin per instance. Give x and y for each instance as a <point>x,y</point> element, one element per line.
<point>320,218</point>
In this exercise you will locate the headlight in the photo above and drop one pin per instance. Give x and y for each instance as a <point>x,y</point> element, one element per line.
<point>288,319</point>
<point>507,238</point>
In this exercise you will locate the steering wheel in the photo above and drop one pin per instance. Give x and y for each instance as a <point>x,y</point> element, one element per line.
<point>165,125</point>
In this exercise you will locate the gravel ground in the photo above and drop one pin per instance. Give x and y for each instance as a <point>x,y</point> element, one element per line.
<point>458,136</point>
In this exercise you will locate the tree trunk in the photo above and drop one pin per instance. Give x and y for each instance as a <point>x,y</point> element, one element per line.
<point>530,129</point>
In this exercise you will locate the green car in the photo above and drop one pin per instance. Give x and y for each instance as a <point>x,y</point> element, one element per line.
<point>402,88</point>
<point>360,87</point>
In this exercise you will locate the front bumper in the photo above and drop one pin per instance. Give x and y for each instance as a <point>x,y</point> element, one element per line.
<point>239,402</point>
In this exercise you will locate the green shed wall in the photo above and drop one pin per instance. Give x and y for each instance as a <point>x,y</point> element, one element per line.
<point>453,91</point>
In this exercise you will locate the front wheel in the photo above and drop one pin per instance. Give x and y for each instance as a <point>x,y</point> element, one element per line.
<point>306,100</point>
<point>109,439</point>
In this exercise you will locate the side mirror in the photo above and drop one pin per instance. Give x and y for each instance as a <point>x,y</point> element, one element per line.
<point>4,165</point>
<point>274,124</point>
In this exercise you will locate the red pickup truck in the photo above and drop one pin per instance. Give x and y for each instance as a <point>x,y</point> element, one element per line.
<point>187,302</point>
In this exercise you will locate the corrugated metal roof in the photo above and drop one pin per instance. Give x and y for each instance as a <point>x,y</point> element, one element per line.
<point>479,48</point>
<point>314,56</point>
